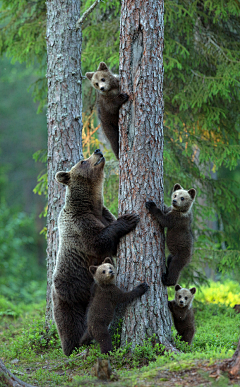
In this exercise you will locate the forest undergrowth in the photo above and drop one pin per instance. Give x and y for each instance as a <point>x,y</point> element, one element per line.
<point>35,356</point>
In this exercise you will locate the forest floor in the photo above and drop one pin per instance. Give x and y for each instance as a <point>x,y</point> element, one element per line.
<point>34,355</point>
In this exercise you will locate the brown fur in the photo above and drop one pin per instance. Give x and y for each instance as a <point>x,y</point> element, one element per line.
<point>105,297</point>
<point>88,233</point>
<point>182,312</point>
<point>177,219</point>
<point>103,370</point>
<point>109,101</point>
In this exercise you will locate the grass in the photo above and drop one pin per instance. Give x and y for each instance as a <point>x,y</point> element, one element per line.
<point>35,355</point>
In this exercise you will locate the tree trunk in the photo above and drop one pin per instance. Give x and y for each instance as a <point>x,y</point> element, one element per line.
<point>8,379</point>
<point>232,365</point>
<point>141,253</point>
<point>64,113</point>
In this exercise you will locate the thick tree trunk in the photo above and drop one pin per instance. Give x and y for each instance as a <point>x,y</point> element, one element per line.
<point>8,379</point>
<point>64,113</point>
<point>141,253</point>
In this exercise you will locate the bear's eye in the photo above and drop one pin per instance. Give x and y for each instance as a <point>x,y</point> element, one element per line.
<point>175,196</point>
<point>96,84</point>
<point>180,296</point>
<point>103,79</point>
<point>182,198</point>
<point>103,271</point>
<point>186,298</point>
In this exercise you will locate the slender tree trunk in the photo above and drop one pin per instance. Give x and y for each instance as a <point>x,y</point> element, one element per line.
<point>141,253</point>
<point>64,113</point>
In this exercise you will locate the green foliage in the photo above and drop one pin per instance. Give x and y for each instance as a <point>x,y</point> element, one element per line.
<point>16,248</point>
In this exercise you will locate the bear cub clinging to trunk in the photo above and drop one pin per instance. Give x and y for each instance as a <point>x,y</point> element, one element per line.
<point>177,218</point>
<point>183,316</point>
<point>104,299</point>
<point>109,101</point>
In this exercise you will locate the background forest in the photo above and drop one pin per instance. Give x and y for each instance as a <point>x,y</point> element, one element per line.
<point>202,130</point>
<point>201,150</point>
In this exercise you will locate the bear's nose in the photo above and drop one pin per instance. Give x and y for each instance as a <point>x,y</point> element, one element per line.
<point>102,88</point>
<point>174,201</point>
<point>181,302</point>
<point>98,152</point>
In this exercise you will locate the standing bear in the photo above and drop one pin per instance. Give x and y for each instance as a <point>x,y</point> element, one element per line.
<point>182,313</point>
<point>109,101</point>
<point>88,233</point>
<point>104,299</point>
<point>177,218</point>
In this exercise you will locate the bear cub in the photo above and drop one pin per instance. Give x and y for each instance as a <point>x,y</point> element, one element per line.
<point>104,299</point>
<point>109,101</point>
<point>182,312</point>
<point>177,218</point>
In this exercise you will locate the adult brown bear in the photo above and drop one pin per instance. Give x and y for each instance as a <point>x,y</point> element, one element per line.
<point>88,233</point>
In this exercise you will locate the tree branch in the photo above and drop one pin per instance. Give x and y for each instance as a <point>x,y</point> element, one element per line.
<point>9,379</point>
<point>86,13</point>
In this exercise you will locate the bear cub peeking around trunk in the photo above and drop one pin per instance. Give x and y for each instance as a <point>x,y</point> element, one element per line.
<point>182,313</point>
<point>104,299</point>
<point>109,101</point>
<point>88,233</point>
<point>177,219</point>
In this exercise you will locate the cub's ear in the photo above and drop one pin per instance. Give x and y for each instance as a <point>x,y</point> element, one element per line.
<point>177,287</point>
<point>102,67</point>
<point>176,187</point>
<point>193,290</point>
<point>63,177</point>
<point>192,193</point>
<point>93,269</point>
<point>108,260</point>
<point>89,76</point>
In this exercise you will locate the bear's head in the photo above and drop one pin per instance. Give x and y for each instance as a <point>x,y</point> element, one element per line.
<point>105,273</point>
<point>184,297</point>
<point>182,200</point>
<point>103,79</point>
<point>85,179</point>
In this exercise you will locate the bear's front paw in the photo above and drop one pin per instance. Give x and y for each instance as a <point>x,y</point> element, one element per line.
<point>150,205</point>
<point>124,97</point>
<point>130,220</point>
<point>143,287</point>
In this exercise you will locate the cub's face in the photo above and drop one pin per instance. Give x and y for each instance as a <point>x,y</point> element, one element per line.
<point>105,273</point>
<point>184,297</point>
<point>182,200</point>
<point>103,80</point>
<point>90,170</point>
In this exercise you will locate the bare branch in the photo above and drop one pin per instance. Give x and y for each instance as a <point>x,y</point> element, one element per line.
<point>86,13</point>
<point>9,379</point>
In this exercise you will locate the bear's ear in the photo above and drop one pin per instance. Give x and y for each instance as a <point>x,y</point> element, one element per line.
<point>63,177</point>
<point>93,269</point>
<point>176,187</point>
<point>102,67</point>
<point>89,76</point>
<point>192,193</point>
<point>108,260</point>
<point>193,290</point>
<point>177,287</point>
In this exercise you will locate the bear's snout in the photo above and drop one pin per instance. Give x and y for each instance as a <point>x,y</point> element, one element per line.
<point>98,152</point>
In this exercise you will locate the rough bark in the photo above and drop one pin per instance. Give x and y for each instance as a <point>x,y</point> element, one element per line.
<point>64,113</point>
<point>232,365</point>
<point>141,253</point>
<point>8,379</point>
